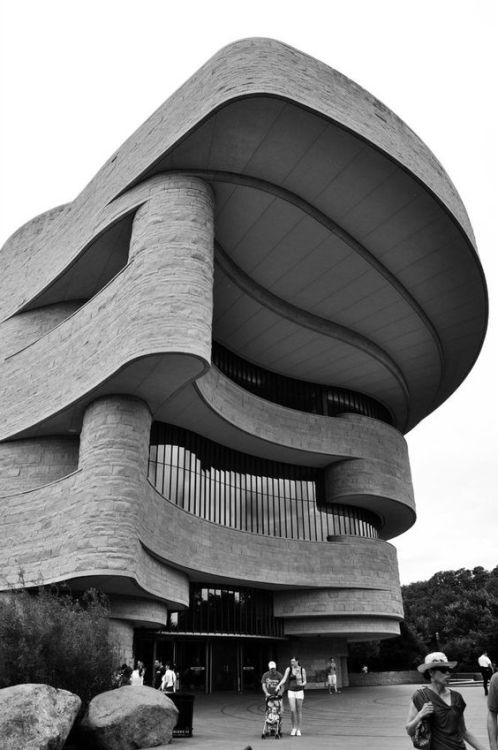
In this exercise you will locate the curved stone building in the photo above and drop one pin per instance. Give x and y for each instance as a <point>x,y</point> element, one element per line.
<point>209,360</point>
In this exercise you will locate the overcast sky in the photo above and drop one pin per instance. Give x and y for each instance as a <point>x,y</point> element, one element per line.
<point>77,78</point>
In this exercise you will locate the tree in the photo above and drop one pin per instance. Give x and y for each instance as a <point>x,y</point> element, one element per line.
<point>51,637</point>
<point>455,611</point>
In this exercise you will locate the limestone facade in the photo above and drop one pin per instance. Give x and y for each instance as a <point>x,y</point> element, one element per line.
<point>110,306</point>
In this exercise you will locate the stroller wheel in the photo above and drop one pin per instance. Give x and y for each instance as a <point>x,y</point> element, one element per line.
<point>263,736</point>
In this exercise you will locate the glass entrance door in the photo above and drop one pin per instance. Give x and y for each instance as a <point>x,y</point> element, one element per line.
<point>251,662</point>
<point>192,665</point>
<point>206,665</point>
<point>224,666</point>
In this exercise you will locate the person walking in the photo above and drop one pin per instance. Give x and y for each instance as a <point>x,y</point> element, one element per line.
<point>270,680</point>
<point>441,707</point>
<point>332,676</point>
<point>158,674</point>
<point>493,712</point>
<point>169,680</point>
<point>295,680</point>
<point>138,674</point>
<point>486,669</point>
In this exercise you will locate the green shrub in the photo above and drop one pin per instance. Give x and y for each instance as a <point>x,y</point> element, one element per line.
<point>53,638</point>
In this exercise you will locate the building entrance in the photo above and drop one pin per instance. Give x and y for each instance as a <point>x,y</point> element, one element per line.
<point>206,665</point>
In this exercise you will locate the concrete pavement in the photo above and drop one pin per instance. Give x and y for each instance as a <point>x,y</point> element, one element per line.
<point>357,718</point>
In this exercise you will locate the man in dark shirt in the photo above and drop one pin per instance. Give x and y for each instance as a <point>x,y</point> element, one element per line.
<point>159,671</point>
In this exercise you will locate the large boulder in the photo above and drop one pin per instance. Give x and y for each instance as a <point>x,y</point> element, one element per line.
<point>128,718</point>
<point>36,717</point>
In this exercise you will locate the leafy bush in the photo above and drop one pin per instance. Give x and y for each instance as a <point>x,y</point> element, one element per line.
<point>53,638</point>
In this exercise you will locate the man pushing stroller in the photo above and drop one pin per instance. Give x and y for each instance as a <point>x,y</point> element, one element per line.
<point>273,713</point>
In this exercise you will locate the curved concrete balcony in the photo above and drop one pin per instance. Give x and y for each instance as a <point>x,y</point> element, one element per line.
<point>105,525</point>
<point>344,253</point>
<point>146,333</point>
<point>355,612</point>
<point>366,461</point>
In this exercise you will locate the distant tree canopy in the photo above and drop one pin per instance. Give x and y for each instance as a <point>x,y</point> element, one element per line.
<point>455,611</point>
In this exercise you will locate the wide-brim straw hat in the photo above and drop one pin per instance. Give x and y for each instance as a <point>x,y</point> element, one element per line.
<point>435,660</point>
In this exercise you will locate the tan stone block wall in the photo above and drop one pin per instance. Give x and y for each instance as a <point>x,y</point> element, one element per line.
<point>229,554</point>
<point>106,521</point>
<point>160,303</point>
<point>354,627</point>
<point>85,525</point>
<point>138,610</point>
<point>121,638</point>
<point>313,654</point>
<point>25,464</point>
<point>354,437</point>
<point>24,329</point>
<point>341,602</point>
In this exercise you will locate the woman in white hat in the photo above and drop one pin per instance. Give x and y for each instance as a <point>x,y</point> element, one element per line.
<point>441,707</point>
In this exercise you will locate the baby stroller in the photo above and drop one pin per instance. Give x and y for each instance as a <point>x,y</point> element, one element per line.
<point>273,717</point>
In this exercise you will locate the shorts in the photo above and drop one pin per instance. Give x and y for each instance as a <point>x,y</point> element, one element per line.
<point>293,696</point>
<point>331,679</point>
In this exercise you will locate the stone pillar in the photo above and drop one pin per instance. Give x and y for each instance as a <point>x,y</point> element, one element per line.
<point>115,437</point>
<point>173,243</point>
<point>121,638</point>
<point>114,449</point>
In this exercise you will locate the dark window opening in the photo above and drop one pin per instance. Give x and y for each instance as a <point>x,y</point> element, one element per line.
<point>248,493</point>
<point>295,394</point>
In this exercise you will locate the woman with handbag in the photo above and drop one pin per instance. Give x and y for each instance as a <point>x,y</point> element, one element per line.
<point>435,718</point>
<point>295,680</point>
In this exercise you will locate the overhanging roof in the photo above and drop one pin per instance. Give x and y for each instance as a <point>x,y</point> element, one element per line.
<point>344,254</point>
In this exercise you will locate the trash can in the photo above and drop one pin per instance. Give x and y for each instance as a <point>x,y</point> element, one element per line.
<point>185,705</point>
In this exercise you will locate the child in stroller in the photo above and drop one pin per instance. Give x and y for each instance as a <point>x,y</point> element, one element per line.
<point>273,717</point>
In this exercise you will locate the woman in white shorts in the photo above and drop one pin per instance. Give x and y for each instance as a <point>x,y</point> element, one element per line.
<point>295,681</point>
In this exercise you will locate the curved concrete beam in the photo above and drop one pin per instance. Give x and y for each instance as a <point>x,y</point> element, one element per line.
<point>308,320</point>
<point>160,303</point>
<point>116,526</point>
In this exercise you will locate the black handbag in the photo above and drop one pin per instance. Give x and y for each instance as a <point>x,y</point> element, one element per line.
<point>422,736</point>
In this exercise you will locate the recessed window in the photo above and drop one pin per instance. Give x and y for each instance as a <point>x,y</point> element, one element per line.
<point>248,493</point>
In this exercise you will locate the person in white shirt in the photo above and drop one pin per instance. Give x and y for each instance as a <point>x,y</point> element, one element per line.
<point>169,680</point>
<point>137,676</point>
<point>486,669</point>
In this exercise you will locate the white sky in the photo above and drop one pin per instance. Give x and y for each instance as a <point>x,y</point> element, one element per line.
<point>79,76</point>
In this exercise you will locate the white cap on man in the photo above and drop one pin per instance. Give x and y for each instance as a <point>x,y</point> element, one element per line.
<point>272,665</point>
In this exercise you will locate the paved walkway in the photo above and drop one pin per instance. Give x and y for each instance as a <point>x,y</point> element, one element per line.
<point>370,718</point>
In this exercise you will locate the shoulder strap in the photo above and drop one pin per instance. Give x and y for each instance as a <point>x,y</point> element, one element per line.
<point>423,696</point>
